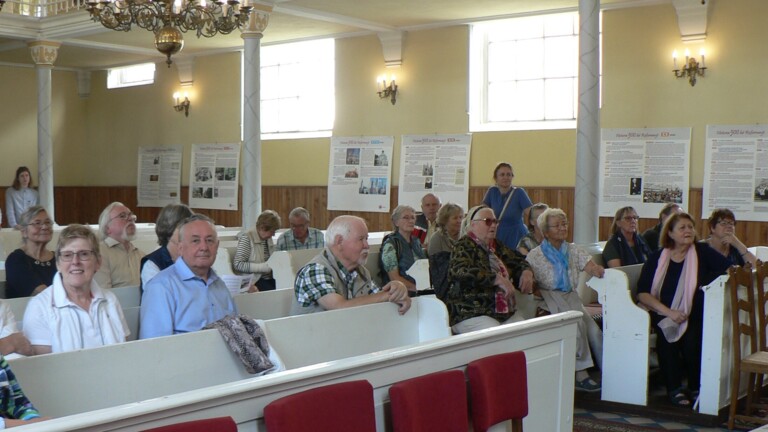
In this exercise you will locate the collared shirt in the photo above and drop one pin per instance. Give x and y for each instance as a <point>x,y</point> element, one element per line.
<point>314,240</point>
<point>17,201</point>
<point>52,319</point>
<point>119,267</point>
<point>178,301</point>
<point>315,280</point>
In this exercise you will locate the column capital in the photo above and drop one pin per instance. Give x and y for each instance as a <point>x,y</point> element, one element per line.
<point>258,21</point>
<point>43,52</point>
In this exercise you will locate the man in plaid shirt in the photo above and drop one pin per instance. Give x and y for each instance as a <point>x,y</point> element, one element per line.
<point>337,277</point>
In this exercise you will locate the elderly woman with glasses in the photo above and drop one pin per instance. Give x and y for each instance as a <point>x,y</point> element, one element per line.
<point>400,249</point>
<point>74,313</point>
<point>30,268</point>
<point>626,246</point>
<point>557,265</point>
<point>483,276</point>
<point>722,238</point>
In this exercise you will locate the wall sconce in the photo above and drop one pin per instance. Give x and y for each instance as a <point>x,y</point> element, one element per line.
<point>181,105</point>
<point>691,68</point>
<point>387,91</point>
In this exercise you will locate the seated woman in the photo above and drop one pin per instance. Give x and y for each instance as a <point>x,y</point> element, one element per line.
<point>30,269</point>
<point>534,237</point>
<point>483,276</point>
<point>400,249</point>
<point>164,256</point>
<point>722,238</point>
<point>74,313</point>
<point>16,409</point>
<point>651,235</point>
<point>626,246</point>
<point>557,264</point>
<point>669,287</point>
<point>441,245</point>
<point>254,249</point>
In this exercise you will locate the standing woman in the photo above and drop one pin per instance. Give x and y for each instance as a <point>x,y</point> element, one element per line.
<point>30,269</point>
<point>669,286</point>
<point>20,197</point>
<point>254,249</point>
<point>626,246</point>
<point>508,204</point>
<point>400,249</point>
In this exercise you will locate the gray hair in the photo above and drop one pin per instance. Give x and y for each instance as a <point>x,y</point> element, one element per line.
<point>543,220</point>
<point>104,218</point>
<point>467,221</point>
<point>299,212</point>
<point>194,218</point>
<point>430,195</point>
<point>340,226</point>
<point>74,232</point>
<point>27,217</point>
<point>169,217</point>
<point>397,214</point>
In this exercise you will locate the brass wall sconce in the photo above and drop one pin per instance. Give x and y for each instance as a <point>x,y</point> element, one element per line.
<point>180,104</point>
<point>691,68</point>
<point>387,90</point>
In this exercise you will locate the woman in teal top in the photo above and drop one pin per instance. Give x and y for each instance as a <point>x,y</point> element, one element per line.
<point>510,214</point>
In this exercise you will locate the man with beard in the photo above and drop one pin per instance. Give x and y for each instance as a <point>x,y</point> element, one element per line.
<point>337,278</point>
<point>120,259</point>
<point>188,295</point>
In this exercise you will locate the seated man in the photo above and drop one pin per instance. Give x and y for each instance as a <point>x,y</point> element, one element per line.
<point>426,221</point>
<point>188,295</point>
<point>337,277</point>
<point>120,259</point>
<point>301,235</point>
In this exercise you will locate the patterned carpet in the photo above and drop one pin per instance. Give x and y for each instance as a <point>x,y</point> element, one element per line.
<point>588,421</point>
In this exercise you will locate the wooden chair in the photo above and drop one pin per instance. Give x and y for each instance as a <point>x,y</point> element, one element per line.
<point>437,401</point>
<point>745,324</point>
<point>498,388</point>
<point>346,406</point>
<point>218,424</point>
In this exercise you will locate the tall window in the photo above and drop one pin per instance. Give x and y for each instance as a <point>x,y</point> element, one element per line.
<point>297,89</point>
<point>128,76</point>
<point>524,73</point>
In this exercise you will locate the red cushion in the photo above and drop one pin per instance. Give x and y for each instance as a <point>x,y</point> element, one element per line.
<point>435,402</point>
<point>345,406</point>
<point>498,389</point>
<point>218,424</point>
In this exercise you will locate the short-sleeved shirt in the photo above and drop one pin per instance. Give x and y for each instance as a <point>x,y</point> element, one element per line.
<point>315,280</point>
<point>511,227</point>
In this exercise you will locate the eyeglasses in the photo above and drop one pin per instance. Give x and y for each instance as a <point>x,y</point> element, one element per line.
<point>37,224</point>
<point>126,216</point>
<point>488,221</point>
<point>83,255</point>
<point>727,223</point>
<point>631,218</point>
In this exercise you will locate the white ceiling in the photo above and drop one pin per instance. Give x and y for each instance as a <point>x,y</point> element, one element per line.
<point>87,45</point>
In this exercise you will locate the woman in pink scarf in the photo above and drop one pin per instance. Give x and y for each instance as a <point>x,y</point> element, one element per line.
<point>669,287</point>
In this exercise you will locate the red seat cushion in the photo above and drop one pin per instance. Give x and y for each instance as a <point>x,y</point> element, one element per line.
<point>436,402</point>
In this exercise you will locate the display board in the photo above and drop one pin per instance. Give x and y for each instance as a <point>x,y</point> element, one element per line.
<point>159,176</point>
<point>213,176</point>
<point>360,173</point>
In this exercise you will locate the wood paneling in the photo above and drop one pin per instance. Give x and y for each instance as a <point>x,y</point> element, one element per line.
<point>84,204</point>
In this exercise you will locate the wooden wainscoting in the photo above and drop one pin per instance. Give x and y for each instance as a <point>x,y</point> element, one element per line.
<point>84,204</point>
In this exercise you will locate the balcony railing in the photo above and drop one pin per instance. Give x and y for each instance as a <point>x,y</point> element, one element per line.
<point>42,8</point>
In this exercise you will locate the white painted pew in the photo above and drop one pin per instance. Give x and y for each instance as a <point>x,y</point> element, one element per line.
<point>549,343</point>
<point>265,305</point>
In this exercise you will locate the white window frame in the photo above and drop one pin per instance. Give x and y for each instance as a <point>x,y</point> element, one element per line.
<point>311,89</point>
<point>479,82</point>
<point>131,76</point>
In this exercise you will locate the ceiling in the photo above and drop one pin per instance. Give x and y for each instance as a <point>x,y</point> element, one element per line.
<point>87,45</point>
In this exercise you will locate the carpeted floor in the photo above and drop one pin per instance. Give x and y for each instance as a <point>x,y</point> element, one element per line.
<point>581,424</point>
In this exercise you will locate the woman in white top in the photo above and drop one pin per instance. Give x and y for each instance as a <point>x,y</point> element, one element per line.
<point>74,313</point>
<point>20,197</point>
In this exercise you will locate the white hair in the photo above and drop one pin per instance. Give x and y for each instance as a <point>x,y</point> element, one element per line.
<point>340,226</point>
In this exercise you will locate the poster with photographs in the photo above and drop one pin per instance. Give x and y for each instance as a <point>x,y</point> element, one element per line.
<point>360,173</point>
<point>213,176</point>
<point>736,171</point>
<point>644,168</point>
<point>437,164</point>
<point>159,172</point>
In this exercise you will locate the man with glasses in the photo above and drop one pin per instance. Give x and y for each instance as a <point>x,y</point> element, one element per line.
<point>301,235</point>
<point>188,295</point>
<point>121,260</point>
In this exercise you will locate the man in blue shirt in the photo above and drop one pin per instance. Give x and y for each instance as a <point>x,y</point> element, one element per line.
<point>188,295</point>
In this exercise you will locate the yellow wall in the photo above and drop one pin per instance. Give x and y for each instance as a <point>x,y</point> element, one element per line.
<point>97,138</point>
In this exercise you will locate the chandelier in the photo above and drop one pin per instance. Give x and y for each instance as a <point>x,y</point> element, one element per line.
<point>168,19</point>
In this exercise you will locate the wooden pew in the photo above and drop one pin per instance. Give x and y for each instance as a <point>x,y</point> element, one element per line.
<point>160,380</point>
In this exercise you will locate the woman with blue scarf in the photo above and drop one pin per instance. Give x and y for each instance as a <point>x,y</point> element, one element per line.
<point>557,264</point>
<point>626,246</point>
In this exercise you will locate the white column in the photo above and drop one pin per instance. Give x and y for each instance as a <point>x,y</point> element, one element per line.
<point>251,114</point>
<point>44,54</point>
<point>585,219</point>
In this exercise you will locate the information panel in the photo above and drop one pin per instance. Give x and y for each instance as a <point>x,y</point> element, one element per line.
<point>360,174</point>
<point>213,176</point>
<point>159,174</point>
